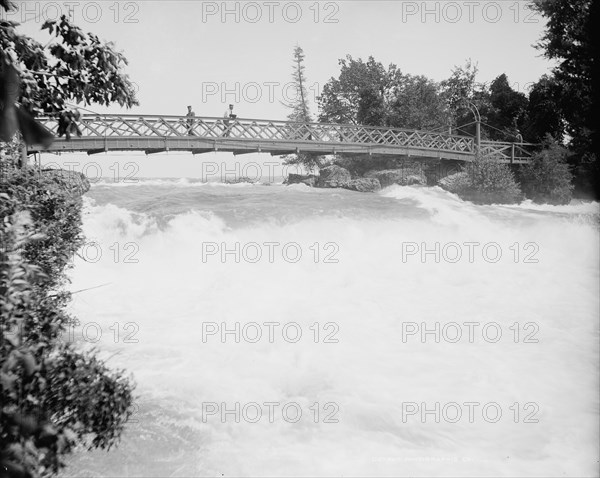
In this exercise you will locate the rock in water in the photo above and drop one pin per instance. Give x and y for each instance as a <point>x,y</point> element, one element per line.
<point>333,177</point>
<point>402,177</point>
<point>455,183</point>
<point>309,179</point>
<point>363,185</point>
<point>242,179</point>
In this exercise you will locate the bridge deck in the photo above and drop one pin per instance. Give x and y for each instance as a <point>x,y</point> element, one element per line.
<point>154,134</point>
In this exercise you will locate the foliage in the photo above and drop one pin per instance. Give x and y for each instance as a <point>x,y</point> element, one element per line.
<point>547,178</point>
<point>460,86</point>
<point>417,104</point>
<point>300,107</point>
<point>569,39</point>
<point>458,91</point>
<point>73,67</point>
<point>362,86</point>
<point>53,396</point>
<point>300,112</point>
<point>367,93</point>
<point>543,111</point>
<point>507,112</point>
<point>485,181</point>
<point>56,213</point>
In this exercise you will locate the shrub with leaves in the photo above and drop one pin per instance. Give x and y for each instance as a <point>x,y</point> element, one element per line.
<point>56,212</point>
<point>547,178</point>
<point>53,397</point>
<point>485,181</point>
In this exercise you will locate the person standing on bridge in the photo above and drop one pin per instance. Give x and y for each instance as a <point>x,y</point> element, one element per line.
<point>67,123</point>
<point>226,117</point>
<point>190,122</point>
<point>519,137</point>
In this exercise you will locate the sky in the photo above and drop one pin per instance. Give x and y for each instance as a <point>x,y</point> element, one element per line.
<point>210,54</point>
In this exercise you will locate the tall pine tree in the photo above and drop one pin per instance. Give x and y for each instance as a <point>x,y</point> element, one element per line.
<point>300,113</point>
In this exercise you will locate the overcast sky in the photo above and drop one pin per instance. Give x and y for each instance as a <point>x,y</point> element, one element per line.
<point>210,54</point>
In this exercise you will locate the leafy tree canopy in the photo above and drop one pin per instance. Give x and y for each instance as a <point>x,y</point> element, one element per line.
<point>569,39</point>
<point>73,67</point>
<point>362,86</point>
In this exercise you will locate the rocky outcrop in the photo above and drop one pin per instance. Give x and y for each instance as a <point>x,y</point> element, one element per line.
<point>308,179</point>
<point>72,181</point>
<point>241,179</point>
<point>333,177</point>
<point>437,169</point>
<point>402,177</point>
<point>363,185</point>
<point>455,183</point>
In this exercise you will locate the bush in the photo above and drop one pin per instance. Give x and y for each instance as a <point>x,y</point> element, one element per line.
<point>484,181</point>
<point>310,161</point>
<point>547,178</point>
<point>56,214</point>
<point>53,396</point>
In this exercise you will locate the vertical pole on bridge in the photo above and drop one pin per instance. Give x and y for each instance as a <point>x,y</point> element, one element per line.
<point>24,158</point>
<point>477,116</point>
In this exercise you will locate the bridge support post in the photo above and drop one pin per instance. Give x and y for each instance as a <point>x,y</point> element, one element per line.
<point>477,135</point>
<point>24,158</point>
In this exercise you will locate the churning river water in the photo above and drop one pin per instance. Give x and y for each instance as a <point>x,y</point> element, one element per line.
<point>290,331</point>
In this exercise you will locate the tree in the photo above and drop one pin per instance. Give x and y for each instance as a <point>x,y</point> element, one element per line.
<point>300,108</point>
<point>507,112</point>
<point>417,104</point>
<point>544,112</point>
<point>73,67</point>
<point>372,109</point>
<point>365,87</point>
<point>300,113</point>
<point>569,39</point>
<point>459,88</point>
<point>462,94</point>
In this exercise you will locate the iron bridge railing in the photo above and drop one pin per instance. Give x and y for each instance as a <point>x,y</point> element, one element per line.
<point>151,126</point>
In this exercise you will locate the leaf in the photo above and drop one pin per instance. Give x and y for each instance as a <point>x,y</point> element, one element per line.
<point>29,364</point>
<point>8,381</point>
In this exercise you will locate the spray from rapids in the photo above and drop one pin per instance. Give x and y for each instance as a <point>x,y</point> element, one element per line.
<point>383,264</point>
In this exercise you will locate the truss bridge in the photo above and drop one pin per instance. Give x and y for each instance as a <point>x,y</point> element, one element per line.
<point>155,134</point>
